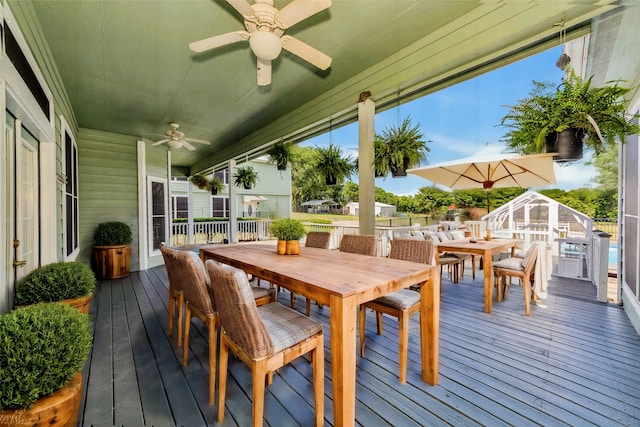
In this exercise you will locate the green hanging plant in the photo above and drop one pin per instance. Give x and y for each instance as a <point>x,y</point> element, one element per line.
<point>399,148</point>
<point>280,154</point>
<point>246,177</point>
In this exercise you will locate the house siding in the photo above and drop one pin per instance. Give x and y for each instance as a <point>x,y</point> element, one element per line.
<point>108,186</point>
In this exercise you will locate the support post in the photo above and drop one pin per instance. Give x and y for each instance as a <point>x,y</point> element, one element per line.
<point>366,169</point>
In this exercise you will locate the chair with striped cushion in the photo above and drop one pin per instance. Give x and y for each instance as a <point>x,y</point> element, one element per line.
<point>359,244</point>
<point>265,338</point>
<point>315,239</point>
<point>403,303</point>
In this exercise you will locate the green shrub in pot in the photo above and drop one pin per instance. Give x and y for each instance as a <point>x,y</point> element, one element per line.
<point>287,229</point>
<point>55,282</point>
<point>43,346</point>
<point>112,233</point>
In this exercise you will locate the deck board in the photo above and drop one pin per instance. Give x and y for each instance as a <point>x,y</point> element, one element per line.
<point>572,362</point>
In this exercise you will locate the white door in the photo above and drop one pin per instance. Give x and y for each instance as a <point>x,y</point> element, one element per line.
<point>26,203</point>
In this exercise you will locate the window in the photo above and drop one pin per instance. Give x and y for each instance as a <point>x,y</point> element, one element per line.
<point>223,175</point>
<point>70,209</point>
<point>158,232</point>
<point>179,207</point>
<point>219,207</point>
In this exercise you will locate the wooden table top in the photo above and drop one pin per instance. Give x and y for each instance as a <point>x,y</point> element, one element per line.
<point>320,271</point>
<point>480,245</point>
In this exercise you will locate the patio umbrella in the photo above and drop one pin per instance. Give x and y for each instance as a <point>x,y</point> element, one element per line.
<point>491,170</point>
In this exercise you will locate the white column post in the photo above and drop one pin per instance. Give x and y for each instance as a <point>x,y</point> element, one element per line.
<point>233,204</point>
<point>366,169</point>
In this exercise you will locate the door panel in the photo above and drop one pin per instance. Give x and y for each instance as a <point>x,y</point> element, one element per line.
<point>27,230</point>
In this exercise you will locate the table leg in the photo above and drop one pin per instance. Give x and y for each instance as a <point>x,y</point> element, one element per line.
<point>343,361</point>
<point>488,289</point>
<point>430,327</point>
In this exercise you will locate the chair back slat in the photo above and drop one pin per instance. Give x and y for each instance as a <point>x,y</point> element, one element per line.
<point>363,244</point>
<point>530,258</point>
<point>318,239</point>
<point>237,310</point>
<point>187,273</point>
<point>412,250</point>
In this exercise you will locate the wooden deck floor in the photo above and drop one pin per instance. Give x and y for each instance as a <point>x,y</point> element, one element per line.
<point>574,361</point>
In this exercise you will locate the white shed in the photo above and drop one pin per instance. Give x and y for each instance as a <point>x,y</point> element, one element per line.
<point>381,209</point>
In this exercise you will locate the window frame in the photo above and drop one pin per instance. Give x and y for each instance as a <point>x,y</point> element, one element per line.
<point>151,180</point>
<point>65,131</point>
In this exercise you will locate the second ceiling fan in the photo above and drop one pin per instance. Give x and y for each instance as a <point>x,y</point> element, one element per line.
<point>265,27</point>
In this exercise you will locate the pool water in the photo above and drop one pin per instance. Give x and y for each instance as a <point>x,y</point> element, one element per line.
<point>613,255</point>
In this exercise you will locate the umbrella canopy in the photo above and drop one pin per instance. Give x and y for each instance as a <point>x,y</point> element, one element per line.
<point>491,171</point>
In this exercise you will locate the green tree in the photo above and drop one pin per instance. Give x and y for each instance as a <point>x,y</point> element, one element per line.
<point>433,201</point>
<point>306,182</point>
<point>606,163</point>
<point>350,192</point>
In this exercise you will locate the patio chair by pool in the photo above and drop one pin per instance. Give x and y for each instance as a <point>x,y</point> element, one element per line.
<point>401,304</point>
<point>265,338</point>
<point>522,269</point>
<point>363,244</point>
<point>315,239</point>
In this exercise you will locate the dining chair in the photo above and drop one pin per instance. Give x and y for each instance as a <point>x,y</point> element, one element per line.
<point>364,244</point>
<point>186,268</point>
<point>176,295</point>
<point>452,262</point>
<point>265,338</point>
<point>520,268</point>
<point>401,304</point>
<point>315,239</point>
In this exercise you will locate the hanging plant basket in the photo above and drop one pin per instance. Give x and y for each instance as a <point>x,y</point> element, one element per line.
<point>400,171</point>
<point>568,144</point>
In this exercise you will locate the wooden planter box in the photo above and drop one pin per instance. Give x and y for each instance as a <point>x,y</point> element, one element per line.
<point>112,262</point>
<point>81,304</point>
<point>57,409</point>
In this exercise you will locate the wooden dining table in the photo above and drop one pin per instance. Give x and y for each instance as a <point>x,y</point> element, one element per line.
<point>342,281</point>
<point>486,249</point>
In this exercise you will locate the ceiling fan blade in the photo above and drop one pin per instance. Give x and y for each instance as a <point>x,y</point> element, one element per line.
<point>162,141</point>
<point>189,146</point>
<point>264,72</point>
<point>199,141</point>
<point>298,10</point>
<point>306,52</point>
<point>242,6</point>
<point>217,41</point>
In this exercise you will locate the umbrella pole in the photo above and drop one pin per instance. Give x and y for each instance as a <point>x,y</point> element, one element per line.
<point>488,202</point>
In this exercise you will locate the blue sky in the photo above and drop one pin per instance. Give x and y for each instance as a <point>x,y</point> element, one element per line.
<point>464,119</point>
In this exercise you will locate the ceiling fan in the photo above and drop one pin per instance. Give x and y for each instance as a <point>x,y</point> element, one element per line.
<point>176,139</point>
<point>265,31</point>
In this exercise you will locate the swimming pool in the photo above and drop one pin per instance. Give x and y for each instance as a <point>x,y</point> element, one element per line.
<point>613,255</point>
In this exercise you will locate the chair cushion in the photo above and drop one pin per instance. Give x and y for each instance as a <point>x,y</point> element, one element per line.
<point>198,261</point>
<point>442,236</point>
<point>457,235</point>
<point>510,263</point>
<point>260,292</point>
<point>285,326</point>
<point>401,299</point>
<point>448,259</point>
<point>433,237</point>
<point>417,233</point>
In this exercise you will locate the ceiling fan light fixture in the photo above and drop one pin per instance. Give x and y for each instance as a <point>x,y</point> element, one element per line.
<point>174,144</point>
<point>265,45</point>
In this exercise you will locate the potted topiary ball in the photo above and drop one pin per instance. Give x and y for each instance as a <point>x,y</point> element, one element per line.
<point>70,283</point>
<point>288,231</point>
<point>44,347</point>
<point>112,249</point>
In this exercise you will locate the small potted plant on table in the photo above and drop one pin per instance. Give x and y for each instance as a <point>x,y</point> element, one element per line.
<point>71,283</point>
<point>288,231</point>
<point>44,347</point>
<point>112,249</point>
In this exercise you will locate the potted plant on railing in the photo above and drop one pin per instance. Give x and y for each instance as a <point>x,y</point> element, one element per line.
<point>245,177</point>
<point>44,347</point>
<point>216,184</point>
<point>399,148</point>
<point>70,283</point>
<point>112,249</point>
<point>288,231</point>
<point>280,154</point>
<point>332,164</point>
<point>560,119</point>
